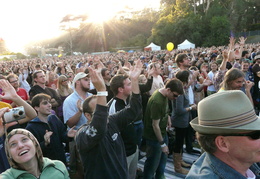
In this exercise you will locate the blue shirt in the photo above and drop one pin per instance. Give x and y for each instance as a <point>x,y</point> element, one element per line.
<point>208,166</point>
<point>70,108</point>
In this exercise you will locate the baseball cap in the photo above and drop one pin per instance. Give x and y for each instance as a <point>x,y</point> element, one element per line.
<point>79,76</point>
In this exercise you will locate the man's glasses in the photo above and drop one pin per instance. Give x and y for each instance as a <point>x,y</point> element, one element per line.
<point>13,81</point>
<point>253,135</point>
<point>175,95</point>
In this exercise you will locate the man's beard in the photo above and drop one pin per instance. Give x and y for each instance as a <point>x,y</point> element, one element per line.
<point>84,89</point>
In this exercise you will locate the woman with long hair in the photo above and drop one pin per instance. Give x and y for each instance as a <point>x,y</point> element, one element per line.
<point>63,91</point>
<point>181,116</point>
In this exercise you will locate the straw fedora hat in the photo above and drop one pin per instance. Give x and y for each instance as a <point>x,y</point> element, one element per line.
<point>226,112</point>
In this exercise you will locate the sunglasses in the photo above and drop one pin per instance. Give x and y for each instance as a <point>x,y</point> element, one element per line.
<point>13,81</point>
<point>176,96</point>
<point>253,135</point>
<point>64,80</point>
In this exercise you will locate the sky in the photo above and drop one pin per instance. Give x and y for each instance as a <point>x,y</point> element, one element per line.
<point>24,21</point>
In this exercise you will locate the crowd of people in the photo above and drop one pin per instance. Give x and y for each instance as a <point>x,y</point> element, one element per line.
<point>110,110</point>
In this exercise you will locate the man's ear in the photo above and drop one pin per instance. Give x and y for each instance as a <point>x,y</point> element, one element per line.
<point>222,143</point>
<point>168,91</point>
<point>120,90</point>
<point>77,82</point>
<point>87,115</point>
<point>36,108</point>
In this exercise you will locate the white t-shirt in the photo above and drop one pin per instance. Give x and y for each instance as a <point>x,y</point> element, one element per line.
<point>211,76</point>
<point>250,174</point>
<point>157,84</point>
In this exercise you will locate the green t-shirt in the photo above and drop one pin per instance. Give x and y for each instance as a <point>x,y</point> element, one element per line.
<point>157,108</point>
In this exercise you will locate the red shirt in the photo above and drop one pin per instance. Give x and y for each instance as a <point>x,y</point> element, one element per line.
<point>22,93</point>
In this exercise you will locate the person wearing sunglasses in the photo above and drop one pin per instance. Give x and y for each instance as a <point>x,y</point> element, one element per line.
<point>229,131</point>
<point>156,120</point>
<point>63,90</point>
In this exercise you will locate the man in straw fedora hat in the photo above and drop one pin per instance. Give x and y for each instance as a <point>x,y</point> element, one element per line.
<point>229,132</point>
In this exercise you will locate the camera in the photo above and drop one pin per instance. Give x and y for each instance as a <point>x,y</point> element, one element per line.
<point>14,114</point>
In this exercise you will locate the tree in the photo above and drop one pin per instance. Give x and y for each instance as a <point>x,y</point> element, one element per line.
<point>219,31</point>
<point>70,23</point>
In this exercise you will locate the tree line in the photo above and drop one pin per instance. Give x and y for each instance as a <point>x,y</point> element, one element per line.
<point>203,22</point>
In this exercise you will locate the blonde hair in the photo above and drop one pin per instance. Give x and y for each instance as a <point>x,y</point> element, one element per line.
<point>61,88</point>
<point>230,76</point>
<point>141,78</point>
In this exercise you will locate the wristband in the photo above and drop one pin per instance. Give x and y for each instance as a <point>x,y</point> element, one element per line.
<point>190,108</point>
<point>102,93</point>
<point>161,143</point>
<point>164,145</point>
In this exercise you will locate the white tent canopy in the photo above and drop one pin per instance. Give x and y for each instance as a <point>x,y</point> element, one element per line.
<point>186,45</point>
<point>153,47</point>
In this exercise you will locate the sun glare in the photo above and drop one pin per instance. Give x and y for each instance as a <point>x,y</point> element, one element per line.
<point>32,22</point>
<point>102,11</point>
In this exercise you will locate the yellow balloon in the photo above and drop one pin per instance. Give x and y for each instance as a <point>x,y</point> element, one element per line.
<point>170,46</point>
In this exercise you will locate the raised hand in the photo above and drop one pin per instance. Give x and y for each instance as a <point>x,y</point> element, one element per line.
<point>136,70</point>
<point>100,65</point>
<point>231,43</point>
<point>225,54</point>
<point>207,82</point>
<point>8,90</point>
<point>121,70</point>
<point>249,85</point>
<point>97,80</point>
<point>127,64</point>
<point>151,71</point>
<point>242,40</point>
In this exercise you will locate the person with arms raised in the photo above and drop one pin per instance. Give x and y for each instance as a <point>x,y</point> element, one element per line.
<point>99,142</point>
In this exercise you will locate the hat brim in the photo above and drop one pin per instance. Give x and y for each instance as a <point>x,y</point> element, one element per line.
<point>253,126</point>
<point>74,80</point>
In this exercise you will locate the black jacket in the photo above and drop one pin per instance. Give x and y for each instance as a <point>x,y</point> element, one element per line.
<point>100,143</point>
<point>55,150</point>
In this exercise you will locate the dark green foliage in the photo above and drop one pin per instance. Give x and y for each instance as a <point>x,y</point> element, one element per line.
<point>201,23</point>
